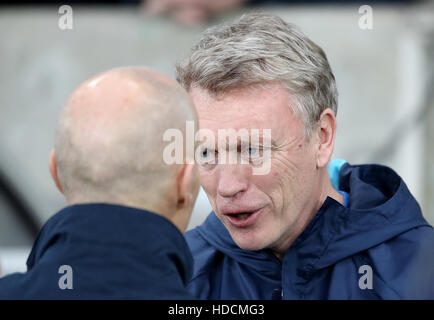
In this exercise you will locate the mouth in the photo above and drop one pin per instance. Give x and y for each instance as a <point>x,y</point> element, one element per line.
<point>243,219</point>
<point>240,216</point>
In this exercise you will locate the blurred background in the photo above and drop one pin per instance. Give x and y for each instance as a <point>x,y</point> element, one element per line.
<point>385,78</point>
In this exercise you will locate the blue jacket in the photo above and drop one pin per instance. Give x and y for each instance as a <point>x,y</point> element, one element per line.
<point>114,252</point>
<point>379,247</point>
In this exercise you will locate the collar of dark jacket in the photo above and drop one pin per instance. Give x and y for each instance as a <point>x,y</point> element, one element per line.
<point>82,229</point>
<point>380,208</point>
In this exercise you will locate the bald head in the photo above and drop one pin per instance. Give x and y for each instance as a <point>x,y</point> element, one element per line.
<point>109,143</point>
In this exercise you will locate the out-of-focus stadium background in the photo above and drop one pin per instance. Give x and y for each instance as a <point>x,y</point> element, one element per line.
<point>385,78</point>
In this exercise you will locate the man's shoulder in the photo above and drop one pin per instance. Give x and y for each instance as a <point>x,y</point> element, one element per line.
<point>8,285</point>
<point>194,239</point>
<point>405,263</point>
<point>412,244</point>
<point>419,243</point>
<point>204,254</point>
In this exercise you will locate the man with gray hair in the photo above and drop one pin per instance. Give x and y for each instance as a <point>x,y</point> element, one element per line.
<point>120,237</point>
<point>290,233</point>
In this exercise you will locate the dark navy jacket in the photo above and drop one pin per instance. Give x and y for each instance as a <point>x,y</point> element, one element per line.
<point>382,229</point>
<point>115,252</point>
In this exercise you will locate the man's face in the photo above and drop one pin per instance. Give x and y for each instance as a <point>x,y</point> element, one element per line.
<point>276,205</point>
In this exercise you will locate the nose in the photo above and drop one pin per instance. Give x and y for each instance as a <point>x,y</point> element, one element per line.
<point>232,180</point>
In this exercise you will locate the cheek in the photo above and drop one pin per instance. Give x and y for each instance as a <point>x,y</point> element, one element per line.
<point>283,183</point>
<point>266,182</point>
<point>284,174</point>
<point>209,183</point>
<point>294,167</point>
<point>272,185</point>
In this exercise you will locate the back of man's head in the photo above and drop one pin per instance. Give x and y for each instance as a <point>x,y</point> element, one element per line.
<point>109,143</point>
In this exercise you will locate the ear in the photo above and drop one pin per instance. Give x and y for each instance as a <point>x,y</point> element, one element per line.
<point>187,186</point>
<point>53,169</point>
<point>326,136</point>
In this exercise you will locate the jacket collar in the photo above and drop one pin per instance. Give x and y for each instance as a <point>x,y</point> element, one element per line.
<point>85,227</point>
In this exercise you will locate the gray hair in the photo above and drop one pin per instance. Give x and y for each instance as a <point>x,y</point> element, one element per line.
<point>259,48</point>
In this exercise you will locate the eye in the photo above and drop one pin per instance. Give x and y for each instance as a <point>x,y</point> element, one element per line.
<point>253,151</point>
<point>205,153</point>
<point>253,155</point>
<point>207,157</point>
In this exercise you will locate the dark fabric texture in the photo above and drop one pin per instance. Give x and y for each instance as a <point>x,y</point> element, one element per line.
<point>115,252</point>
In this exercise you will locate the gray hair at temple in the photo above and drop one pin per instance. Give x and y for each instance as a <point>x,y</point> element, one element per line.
<point>260,48</point>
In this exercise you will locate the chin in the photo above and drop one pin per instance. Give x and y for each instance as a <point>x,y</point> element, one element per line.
<point>250,241</point>
<point>250,247</point>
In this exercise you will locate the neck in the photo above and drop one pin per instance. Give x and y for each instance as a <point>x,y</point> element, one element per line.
<point>160,208</point>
